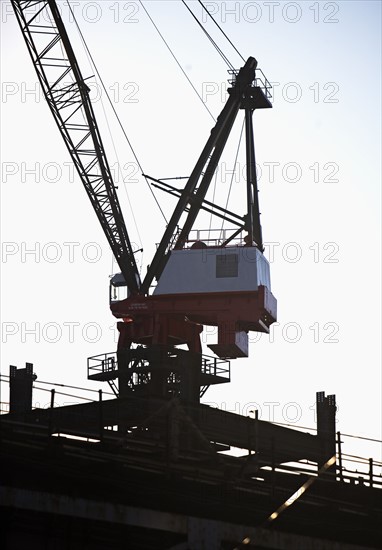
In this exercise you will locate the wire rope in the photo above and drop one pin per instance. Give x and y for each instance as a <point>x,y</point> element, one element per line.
<point>176,60</point>
<point>232,175</point>
<point>116,114</point>
<point>221,30</point>
<point>224,57</point>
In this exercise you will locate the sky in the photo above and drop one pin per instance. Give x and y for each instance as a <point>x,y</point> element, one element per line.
<point>319,167</point>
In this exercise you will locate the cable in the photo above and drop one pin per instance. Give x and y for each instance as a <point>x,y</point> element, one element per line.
<point>62,386</point>
<point>74,387</point>
<point>361,437</point>
<point>66,394</point>
<point>110,133</point>
<point>219,27</point>
<point>342,434</point>
<point>120,172</point>
<point>177,62</point>
<point>224,57</point>
<point>232,176</point>
<point>213,201</point>
<point>359,458</point>
<point>116,114</point>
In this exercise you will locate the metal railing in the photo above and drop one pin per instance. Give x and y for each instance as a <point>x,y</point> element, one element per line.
<point>212,366</point>
<point>263,83</point>
<point>351,468</point>
<point>214,237</point>
<point>260,81</point>
<point>103,364</point>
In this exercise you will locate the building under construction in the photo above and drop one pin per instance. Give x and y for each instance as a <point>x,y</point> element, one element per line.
<point>163,480</point>
<point>152,467</point>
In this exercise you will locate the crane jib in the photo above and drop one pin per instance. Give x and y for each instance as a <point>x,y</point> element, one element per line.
<point>56,65</point>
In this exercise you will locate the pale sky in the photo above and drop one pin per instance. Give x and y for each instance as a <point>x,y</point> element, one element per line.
<point>318,154</point>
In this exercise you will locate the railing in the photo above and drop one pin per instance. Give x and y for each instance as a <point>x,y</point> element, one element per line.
<point>263,83</point>
<point>212,366</point>
<point>351,467</point>
<point>51,396</point>
<point>260,81</point>
<point>214,237</point>
<point>356,469</point>
<point>233,74</point>
<point>104,364</point>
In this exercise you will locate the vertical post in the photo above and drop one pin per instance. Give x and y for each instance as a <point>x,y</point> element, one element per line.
<point>100,416</point>
<point>371,472</point>
<point>249,426</point>
<point>52,394</point>
<point>257,450</point>
<point>339,456</point>
<point>326,429</point>
<point>253,225</point>
<point>250,173</point>
<point>273,469</point>
<point>20,388</point>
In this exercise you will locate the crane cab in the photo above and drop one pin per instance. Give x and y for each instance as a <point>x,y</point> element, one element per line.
<point>228,287</point>
<point>203,269</point>
<point>118,290</point>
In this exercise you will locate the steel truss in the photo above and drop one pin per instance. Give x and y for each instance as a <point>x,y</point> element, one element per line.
<point>67,95</point>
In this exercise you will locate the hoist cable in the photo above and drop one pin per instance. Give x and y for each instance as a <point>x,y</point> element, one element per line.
<point>116,114</point>
<point>233,174</point>
<point>111,137</point>
<point>219,27</point>
<point>177,62</point>
<point>213,201</point>
<point>225,59</point>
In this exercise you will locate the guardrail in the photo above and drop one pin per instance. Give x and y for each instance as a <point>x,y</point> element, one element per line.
<point>350,468</point>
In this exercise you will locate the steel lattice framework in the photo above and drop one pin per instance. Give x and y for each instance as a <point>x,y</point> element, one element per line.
<point>67,95</point>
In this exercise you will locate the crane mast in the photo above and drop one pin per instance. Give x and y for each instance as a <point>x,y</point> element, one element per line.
<point>198,183</point>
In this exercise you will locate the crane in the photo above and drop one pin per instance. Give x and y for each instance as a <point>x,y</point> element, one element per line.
<point>223,283</point>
